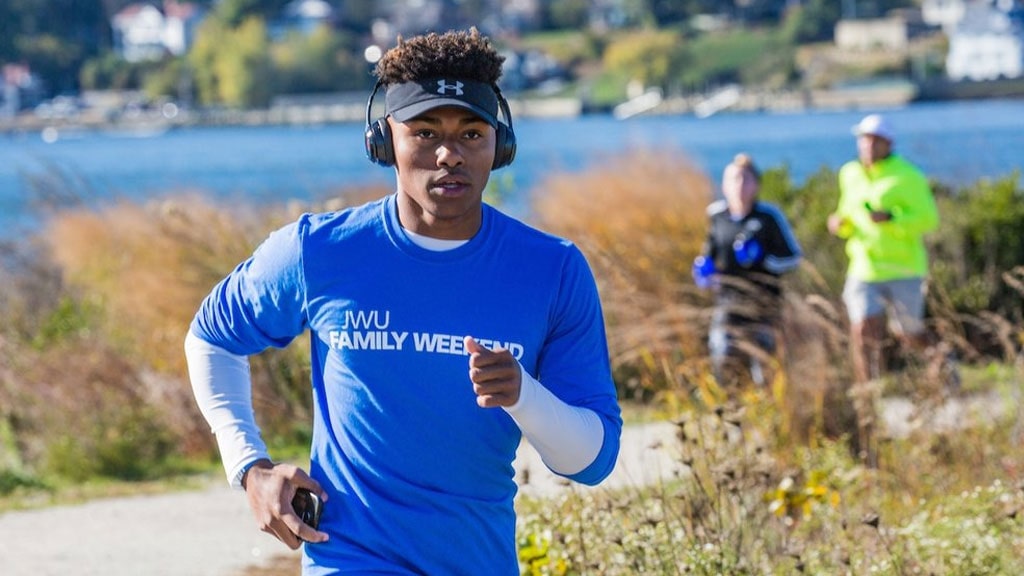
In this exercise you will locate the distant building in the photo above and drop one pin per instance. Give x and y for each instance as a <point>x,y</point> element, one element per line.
<point>408,18</point>
<point>145,31</point>
<point>876,33</point>
<point>492,17</point>
<point>608,15</point>
<point>303,17</point>
<point>943,13</point>
<point>524,70</point>
<point>519,15</point>
<point>181,19</point>
<point>988,42</point>
<point>139,32</point>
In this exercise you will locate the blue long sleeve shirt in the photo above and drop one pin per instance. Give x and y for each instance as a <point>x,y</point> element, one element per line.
<point>420,478</point>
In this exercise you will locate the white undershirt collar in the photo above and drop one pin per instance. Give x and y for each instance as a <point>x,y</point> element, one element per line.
<point>433,244</point>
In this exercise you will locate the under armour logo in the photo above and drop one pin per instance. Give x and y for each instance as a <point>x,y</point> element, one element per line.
<point>443,87</point>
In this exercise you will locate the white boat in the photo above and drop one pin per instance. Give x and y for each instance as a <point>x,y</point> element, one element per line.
<point>721,99</point>
<point>642,103</point>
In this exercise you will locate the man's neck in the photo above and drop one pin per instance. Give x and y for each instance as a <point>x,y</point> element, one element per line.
<point>740,211</point>
<point>872,162</point>
<point>417,220</point>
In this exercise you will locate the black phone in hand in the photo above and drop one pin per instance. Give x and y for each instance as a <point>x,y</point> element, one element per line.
<point>308,507</point>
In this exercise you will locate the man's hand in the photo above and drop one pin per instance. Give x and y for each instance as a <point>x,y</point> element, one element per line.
<point>270,488</point>
<point>836,223</point>
<point>496,375</point>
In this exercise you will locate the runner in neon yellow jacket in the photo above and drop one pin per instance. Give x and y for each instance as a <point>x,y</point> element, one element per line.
<point>885,209</point>
<point>892,248</point>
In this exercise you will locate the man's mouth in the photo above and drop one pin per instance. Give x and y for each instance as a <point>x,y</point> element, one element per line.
<point>449,185</point>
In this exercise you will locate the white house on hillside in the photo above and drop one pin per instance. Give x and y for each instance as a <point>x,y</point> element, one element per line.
<point>144,31</point>
<point>943,13</point>
<point>988,42</point>
<point>303,17</point>
<point>180,22</point>
<point>884,33</point>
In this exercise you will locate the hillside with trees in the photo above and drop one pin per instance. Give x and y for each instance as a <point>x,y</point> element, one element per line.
<point>240,58</point>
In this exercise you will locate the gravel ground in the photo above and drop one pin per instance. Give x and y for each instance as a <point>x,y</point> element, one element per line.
<point>211,532</point>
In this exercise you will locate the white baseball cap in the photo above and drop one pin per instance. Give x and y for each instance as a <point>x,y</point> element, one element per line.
<point>875,125</point>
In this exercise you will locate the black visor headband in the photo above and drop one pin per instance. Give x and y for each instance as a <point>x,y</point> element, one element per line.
<point>407,100</point>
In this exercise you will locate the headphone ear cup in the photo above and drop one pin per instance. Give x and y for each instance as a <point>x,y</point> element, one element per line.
<point>504,146</point>
<point>378,143</point>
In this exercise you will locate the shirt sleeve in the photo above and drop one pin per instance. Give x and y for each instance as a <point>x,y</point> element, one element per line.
<point>574,363</point>
<point>850,177</point>
<point>261,303</point>
<point>710,249</point>
<point>223,392</point>
<point>783,252</point>
<point>568,438</point>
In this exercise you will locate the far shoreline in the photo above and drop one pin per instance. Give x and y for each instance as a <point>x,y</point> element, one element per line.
<point>307,110</point>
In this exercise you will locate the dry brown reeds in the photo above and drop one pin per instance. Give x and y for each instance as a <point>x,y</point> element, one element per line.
<point>149,265</point>
<point>640,219</point>
<point>102,304</point>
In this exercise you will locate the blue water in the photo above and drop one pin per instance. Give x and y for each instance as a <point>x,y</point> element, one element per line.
<point>954,142</point>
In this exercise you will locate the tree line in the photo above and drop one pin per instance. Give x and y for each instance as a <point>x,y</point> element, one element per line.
<point>234,62</point>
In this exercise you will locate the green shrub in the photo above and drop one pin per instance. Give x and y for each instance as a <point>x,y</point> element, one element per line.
<point>12,480</point>
<point>127,445</point>
<point>71,318</point>
<point>980,240</point>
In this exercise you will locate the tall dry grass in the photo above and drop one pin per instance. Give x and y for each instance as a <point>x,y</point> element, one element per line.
<point>147,266</point>
<point>92,367</point>
<point>640,219</point>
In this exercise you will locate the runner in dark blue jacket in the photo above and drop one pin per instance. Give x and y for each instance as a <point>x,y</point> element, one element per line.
<point>749,246</point>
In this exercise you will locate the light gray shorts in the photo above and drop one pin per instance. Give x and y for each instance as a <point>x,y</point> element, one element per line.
<point>901,300</point>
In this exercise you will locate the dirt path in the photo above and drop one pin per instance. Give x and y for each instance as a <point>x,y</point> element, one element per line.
<point>211,532</point>
<point>202,533</point>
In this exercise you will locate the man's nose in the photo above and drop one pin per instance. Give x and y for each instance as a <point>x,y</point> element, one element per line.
<point>449,153</point>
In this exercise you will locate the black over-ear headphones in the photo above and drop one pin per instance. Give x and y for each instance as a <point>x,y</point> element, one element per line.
<point>380,149</point>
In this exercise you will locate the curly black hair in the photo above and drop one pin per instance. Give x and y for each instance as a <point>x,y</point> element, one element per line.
<point>467,55</point>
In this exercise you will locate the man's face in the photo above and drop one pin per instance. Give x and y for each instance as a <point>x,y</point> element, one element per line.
<point>739,187</point>
<point>443,159</point>
<point>871,148</point>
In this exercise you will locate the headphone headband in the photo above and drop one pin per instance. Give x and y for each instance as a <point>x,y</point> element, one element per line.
<point>369,102</point>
